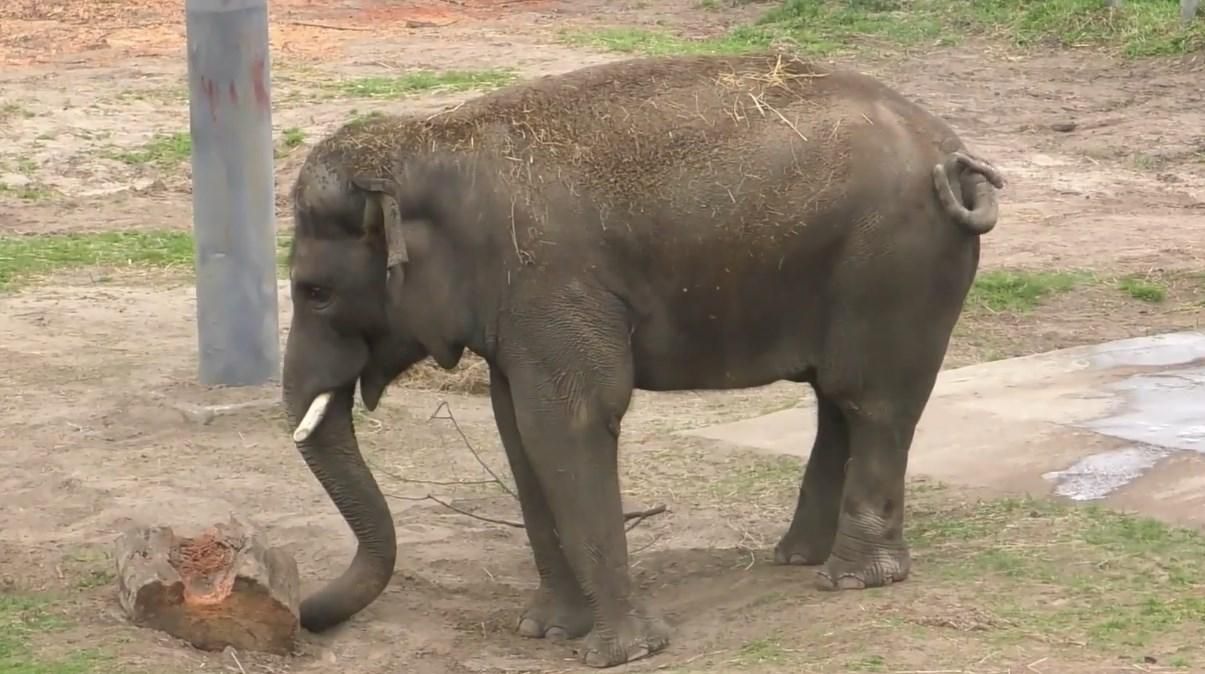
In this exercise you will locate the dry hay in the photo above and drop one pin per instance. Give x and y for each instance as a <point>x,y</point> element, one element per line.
<point>471,376</point>
<point>781,74</point>
<point>549,135</point>
<point>567,125</point>
<point>754,86</point>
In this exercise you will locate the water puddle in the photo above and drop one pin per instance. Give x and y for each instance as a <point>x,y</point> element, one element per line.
<point>1164,410</point>
<point>1164,413</point>
<point>1095,477</point>
<point>1177,348</point>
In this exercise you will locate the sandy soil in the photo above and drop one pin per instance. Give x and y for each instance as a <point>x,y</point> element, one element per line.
<point>100,415</point>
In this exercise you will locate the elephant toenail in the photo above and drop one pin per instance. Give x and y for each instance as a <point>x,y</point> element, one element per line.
<point>851,582</point>
<point>530,628</point>
<point>596,659</point>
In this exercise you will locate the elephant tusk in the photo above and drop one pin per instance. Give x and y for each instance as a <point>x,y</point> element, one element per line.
<point>312,418</point>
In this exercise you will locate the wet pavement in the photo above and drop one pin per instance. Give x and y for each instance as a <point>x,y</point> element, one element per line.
<point>1121,422</point>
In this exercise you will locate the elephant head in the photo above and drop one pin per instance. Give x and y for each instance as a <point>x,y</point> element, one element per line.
<point>375,289</point>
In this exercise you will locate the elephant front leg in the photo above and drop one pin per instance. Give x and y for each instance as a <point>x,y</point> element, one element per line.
<point>809,539</point>
<point>869,549</point>
<point>576,462</point>
<point>559,609</point>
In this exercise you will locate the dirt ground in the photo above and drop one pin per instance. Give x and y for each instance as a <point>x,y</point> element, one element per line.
<point>100,420</point>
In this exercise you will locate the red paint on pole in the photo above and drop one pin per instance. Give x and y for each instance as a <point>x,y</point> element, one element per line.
<point>233,94</point>
<point>257,80</point>
<point>211,98</point>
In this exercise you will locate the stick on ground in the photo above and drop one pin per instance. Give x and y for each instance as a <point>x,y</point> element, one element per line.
<point>639,516</point>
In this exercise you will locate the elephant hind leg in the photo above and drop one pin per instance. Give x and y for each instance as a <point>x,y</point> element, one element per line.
<point>869,548</point>
<point>880,364</point>
<point>809,539</point>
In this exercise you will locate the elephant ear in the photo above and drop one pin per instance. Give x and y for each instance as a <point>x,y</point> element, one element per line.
<point>381,207</point>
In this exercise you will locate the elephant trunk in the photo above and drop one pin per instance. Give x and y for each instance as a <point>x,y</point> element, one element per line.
<point>333,455</point>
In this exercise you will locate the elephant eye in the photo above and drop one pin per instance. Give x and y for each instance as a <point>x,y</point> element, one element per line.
<point>318,295</point>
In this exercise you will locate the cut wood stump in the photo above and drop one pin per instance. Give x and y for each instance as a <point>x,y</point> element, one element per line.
<point>223,587</point>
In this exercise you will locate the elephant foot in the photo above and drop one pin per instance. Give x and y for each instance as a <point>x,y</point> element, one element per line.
<point>863,565</point>
<point>551,616</point>
<point>638,636</point>
<point>796,550</point>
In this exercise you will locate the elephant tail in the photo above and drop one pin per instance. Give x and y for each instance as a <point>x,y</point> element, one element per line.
<point>980,218</point>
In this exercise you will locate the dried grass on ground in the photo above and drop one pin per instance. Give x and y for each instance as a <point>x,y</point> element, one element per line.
<point>471,376</point>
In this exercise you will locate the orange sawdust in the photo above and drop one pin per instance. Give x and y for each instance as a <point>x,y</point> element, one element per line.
<point>205,564</point>
<point>99,32</point>
<point>444,12</point>
<point>204,555</point>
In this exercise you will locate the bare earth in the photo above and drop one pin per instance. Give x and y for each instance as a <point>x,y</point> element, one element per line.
<point>100,420</point>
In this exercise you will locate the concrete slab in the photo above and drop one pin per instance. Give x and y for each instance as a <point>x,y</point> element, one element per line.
<point>1122,422</point>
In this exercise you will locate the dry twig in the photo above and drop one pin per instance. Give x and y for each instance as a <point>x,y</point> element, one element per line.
<point>327,26</point>
<point>635,517</point>
<point>642,515</point>
<point>443,405</point>
<point>234,654</point>
<point>449,506</point>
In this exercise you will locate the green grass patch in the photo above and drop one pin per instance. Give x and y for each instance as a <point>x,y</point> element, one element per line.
<point>26,257</point>
<point>1079,574</point>
<point>717,5</point>
<point>33,191</point>
<point>768,651</point>
<point>164,151</point>
<point>356,117</point>
<point>166,94</point>
<point>1018,291</point>
<point>424,81</point>
<point>292,137</point>
<point>869,663</point>
<point>14,110</point>
<point>1140,28</point>
<point>1143,289</point>
<point>757,480</point>
<point>89,567</point>
<point>662,43</point>
<point>21,619</point>
<point>1023,578</point>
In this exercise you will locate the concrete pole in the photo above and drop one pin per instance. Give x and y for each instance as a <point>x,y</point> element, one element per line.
<point>230,110</point>
<point>1188,11</point>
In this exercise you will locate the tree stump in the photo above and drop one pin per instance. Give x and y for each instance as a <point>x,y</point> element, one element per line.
<point>224,587</point>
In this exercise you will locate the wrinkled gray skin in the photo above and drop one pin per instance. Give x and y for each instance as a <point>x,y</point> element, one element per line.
<point>662,224</point>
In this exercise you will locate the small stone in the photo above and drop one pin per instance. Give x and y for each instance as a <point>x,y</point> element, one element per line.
<point>146,185</point>
<point>14,180</point>
<point>1063,127</point>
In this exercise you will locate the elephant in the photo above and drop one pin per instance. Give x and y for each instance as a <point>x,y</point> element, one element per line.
<point>657,224</point>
